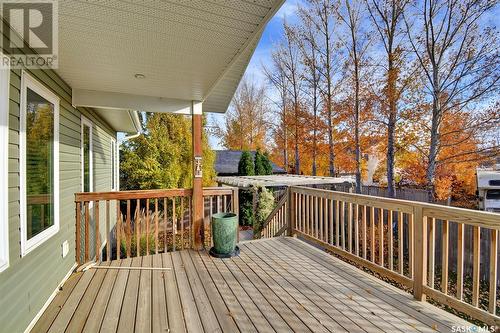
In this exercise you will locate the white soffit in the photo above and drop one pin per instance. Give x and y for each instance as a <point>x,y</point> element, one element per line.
<point>120,119</point>
<point>187,50</point>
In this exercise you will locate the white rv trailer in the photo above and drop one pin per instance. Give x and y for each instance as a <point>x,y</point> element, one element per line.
<point>488,189</point>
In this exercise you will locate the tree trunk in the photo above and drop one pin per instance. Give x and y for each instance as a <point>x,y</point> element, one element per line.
<point>391,124</point>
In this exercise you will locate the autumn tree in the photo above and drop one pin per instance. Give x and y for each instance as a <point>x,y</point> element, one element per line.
<point>276,76</point>
<point>387,18</point>
<point>460,61</point>
<point>356,44</point>
<point>290,53</point>
<point>246,121</point>
<point>308,36</point>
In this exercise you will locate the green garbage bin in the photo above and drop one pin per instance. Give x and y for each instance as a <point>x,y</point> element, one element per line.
<point>224,229</point>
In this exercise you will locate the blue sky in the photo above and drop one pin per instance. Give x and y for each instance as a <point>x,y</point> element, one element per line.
<point>262,53</point>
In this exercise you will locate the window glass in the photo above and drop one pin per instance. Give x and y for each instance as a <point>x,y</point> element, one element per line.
<point>493,194</point>
<point>113,165</point>
<point>86,159</point>
<point>39,163</point>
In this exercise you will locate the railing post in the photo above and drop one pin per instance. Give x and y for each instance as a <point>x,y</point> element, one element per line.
<point>78,230</point>
<point>289,211</point>
<point>420,261</point>
<point>197,198</point>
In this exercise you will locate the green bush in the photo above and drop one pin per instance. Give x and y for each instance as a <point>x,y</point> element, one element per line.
<point>246,208</point>
<point>259,163</point>
<point>246,165</point>
<point>268,167</point>
<point>264,207</point>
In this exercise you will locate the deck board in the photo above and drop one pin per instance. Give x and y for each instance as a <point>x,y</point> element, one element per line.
<point>275,285</point>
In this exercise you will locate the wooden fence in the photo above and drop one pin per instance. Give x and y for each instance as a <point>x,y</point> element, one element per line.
<point>371,231</point>
<point>143,222</point>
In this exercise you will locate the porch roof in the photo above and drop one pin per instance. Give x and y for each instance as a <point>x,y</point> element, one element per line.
<point>158,56</point>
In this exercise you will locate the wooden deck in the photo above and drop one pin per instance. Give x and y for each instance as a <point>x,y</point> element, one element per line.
<point>279,284</point>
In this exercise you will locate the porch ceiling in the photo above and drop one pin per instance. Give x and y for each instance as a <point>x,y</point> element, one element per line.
<point>187,51</point>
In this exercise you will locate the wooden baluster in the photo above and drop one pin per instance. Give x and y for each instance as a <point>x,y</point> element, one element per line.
<point>372,234</point>
<point>108,238</point>
<point>147,227</point>
<point>97,233</point>
<point>305,213</point>
<point>87,232</point>
<point>326,220</point>
<point>476,264</point>
<point>432,249</point>
<point>492,304</point>
<point>117,228</point>
<point>356,230</point>
<point>218,204</point>
<point>330,215</point>
<point>444,257</point>
<point>315,203</point>
<point>342,223</point>
<point>190,224</point>
<point>363,232</point>
<point>460,260</point>
<point>381,237</point>
<point>156,226</point>
<point>298,202</point>
<point>78,233</point>
<point>337,223</point>
<point>174,224</point>
<point>390,243</point>
<point>210,220</point>
<point>137,225</point>
<point>224,203</point>
<point>400,243</point>
<point>128,242</point>
<point>411,245</point>
<point>182,223</point>
<point>349,226</point>
<point>320,218</point>
<point>165,222</point>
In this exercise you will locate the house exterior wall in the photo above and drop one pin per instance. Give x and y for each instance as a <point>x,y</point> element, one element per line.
<point>29,281</point>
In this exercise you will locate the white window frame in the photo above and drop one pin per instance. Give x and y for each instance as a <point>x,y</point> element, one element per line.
<point>87,122</point>
<point>4,165</point>
<point>114,166</point>
<point>28,245</point>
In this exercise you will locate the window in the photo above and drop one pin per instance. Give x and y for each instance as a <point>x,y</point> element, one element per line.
<point>4,144</point>
<point>39,163</point>
<point>493,194</point>
<point>87,158</point>
<point>114,165</point>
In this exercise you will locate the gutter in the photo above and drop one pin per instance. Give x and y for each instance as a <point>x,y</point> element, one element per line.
<point>134,116</point>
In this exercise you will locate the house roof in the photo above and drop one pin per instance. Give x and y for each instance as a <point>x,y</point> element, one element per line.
<point>158,56</point>
<point>226,162</point>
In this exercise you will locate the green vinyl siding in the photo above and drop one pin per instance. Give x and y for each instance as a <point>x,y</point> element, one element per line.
<point>29,281</point>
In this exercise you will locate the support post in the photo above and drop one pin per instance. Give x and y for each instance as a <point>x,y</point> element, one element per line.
<point>420,261</point>
<point>197,198</point>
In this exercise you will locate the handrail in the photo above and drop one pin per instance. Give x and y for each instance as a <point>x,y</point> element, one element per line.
<point>277,221</point>
<point>397,239</point>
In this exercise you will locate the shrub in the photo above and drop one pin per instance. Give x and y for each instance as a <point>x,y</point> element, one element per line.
<point>246,165</point>
<point>259,163</point>
<point>264,207</point>
<point>246,208</point>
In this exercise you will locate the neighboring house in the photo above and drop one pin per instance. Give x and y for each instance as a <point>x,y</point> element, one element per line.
<point>226,163</point>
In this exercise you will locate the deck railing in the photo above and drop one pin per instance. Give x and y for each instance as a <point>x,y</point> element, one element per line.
<point>124,224</point>
<point>398,240</point>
